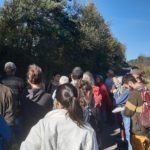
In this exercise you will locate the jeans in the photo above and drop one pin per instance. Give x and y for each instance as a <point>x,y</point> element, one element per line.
<point>127,124</point>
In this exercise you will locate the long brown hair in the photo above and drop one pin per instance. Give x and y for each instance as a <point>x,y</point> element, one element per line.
<point>67,95</point>
<point>85,94</point>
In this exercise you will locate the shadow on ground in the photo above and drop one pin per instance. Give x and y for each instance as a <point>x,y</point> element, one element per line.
<point>110,136</point>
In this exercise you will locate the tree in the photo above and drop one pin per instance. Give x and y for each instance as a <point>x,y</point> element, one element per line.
<point>36,32</point>
<point>101,49</point>
<point>56,37</point>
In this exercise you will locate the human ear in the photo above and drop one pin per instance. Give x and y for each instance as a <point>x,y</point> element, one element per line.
<point>57,104</point>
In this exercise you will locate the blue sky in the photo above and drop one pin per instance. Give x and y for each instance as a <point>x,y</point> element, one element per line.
<point>129,22</point>
<point>1,1</point>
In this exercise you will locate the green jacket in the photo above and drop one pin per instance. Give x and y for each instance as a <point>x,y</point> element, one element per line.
<point>133,109</point>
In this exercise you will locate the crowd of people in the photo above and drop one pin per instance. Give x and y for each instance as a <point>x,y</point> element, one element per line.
<point>69,112</point>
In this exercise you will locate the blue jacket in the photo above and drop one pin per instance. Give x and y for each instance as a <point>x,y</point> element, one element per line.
<point>121,98</point>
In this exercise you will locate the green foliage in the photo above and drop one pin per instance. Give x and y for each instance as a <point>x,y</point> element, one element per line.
<point>97,41</point>
<point>56,37</point>
<point>144,64</point>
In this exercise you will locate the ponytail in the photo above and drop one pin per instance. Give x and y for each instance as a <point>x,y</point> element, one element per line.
<point>67,95</point>
<point>75,112</point>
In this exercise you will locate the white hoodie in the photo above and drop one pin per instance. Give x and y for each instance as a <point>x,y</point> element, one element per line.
<point>56,131</point>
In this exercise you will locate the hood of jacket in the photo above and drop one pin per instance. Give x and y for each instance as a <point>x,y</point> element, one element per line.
<point>34,94</point>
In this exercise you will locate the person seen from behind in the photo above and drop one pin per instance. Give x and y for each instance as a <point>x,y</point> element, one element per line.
<point>64,127</point>
<point>15,83</point>
<point>87,76</point>
<point>121,94</point>
<point>106,102</point>
<point>62,80</point>
<point>95,106</point>
<point>35,102</point>
<point>76,76</point>
<point>109,80</point>
<point>53,83</point>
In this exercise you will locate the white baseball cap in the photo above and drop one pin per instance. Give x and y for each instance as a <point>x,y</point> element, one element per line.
<point>63,80</point>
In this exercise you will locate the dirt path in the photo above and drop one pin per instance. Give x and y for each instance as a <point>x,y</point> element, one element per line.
<point>110,136</point>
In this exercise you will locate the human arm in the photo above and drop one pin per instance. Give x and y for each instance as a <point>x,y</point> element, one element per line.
<point>33,140</point>
<point>121,98</point>
<point>9,107</point>
<point>97,95</point>
<point>91,143</point>
<point>132,103</point>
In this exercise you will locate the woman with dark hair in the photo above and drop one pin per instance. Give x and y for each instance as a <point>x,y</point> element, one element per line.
<point>62,128</point>
<point>35,102</point>
<point>106,102</point>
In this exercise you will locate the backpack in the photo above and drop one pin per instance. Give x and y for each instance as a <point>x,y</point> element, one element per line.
<point>145,114</point>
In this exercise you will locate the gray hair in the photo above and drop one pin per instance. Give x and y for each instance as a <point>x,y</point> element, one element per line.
<point>87,76</point>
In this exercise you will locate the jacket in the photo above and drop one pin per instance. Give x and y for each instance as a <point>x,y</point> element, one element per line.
<point>106,100</point>
<point>120,99</point>
<point>13,82</point>
<point>133,109</point>
<point>58,132</point>
<point>35,103</point>
<point>6,104</point>
<point>16,84</point>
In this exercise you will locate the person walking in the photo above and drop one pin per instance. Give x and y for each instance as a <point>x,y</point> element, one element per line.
<point>35,102</point>
<point>17,85</point>
<point>64,127</point>
<point>121,93</point>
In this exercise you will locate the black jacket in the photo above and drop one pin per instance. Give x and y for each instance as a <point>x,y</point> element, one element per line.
<point>35,103</point>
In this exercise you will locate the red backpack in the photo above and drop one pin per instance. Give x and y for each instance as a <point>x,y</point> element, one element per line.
<point>145,115</point>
